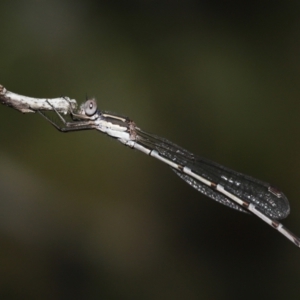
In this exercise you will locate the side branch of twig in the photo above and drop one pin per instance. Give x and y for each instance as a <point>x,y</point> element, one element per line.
<point>26,104</point>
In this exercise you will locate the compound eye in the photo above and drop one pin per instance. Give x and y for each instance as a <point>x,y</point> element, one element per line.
<point>90,107</point>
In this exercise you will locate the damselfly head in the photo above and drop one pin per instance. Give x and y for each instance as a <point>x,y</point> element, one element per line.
<point>90,107</point>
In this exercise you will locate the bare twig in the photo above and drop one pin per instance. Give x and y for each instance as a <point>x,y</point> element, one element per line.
<point>26,104</point>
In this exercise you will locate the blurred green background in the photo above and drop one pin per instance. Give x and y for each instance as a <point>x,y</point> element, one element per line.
<point>83,217</point>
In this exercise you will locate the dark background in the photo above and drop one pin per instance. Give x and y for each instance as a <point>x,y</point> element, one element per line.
<point>83,217</point>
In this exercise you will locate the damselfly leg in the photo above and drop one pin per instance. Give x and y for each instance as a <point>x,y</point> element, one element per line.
<point>80,121</point>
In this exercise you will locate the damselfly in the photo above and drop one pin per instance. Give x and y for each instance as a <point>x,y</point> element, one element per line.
<point>224,185</point>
